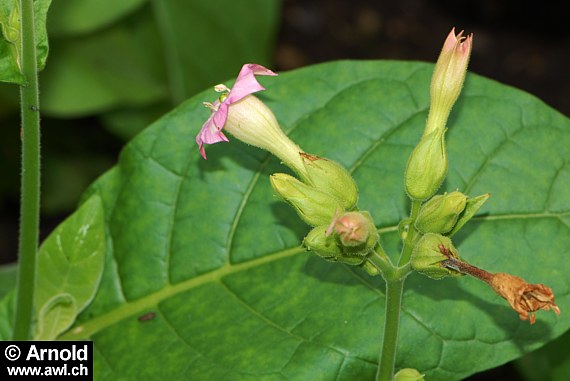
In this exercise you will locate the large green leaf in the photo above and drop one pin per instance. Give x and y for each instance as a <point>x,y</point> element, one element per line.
<point>10,38</point>
<point>97,72</point>
<point>205,279</point>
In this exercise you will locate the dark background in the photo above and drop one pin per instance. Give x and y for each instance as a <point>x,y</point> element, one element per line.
<point>520,43</point>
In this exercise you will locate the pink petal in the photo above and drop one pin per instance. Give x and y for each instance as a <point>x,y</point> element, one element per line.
<point>246,83</point>
<point>209,134</point>
<point>221,115</point>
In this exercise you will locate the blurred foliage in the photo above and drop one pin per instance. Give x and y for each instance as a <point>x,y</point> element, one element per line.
<point>121,65</point>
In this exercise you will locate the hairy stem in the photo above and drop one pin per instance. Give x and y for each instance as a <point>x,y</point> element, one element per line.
<point>30,177</point>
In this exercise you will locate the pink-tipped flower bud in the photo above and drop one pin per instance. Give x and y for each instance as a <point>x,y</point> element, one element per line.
<point>448,78</point>
<point>355,232</point>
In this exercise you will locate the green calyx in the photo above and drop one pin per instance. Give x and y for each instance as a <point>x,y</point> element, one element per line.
<point>440,213</point>
<point>429,256</point>
<point>427,166</point>
<point>330,177</point>
<point>328,248</point>
<point>314,206</point>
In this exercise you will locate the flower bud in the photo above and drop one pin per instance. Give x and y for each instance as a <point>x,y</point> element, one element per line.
<point>440,213</point>
<point>429,254</point>
<point>408,374</point>
<point>427,166</point>
<point>355,232</point>
<point>252,122</point>
<point>312,205</point>
<point>327,247</point>
<point>447,80</point>
<point>332,178</point>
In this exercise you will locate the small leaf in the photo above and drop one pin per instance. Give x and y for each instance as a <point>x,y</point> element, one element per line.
<point>70,265</point>
<point>10,38</point>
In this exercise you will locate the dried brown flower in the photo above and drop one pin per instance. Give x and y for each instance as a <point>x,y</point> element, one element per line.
<point>523,297</point>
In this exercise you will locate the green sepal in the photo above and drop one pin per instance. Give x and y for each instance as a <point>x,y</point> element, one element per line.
<point>471,207</point>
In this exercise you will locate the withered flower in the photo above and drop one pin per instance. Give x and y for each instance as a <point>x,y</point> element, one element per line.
<point>523,297</point>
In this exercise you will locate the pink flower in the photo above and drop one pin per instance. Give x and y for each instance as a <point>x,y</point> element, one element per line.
<point>245,84</point>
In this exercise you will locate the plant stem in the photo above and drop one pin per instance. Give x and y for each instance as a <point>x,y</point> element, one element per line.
<point>394,277</point>
<point>410,239</point>
<point>387,360</point>
<point>30,177</point>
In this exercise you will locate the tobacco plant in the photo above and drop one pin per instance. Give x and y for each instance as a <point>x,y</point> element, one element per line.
<point>179,268</point>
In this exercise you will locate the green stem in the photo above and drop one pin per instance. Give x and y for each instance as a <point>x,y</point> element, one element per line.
<point>30,177</point>
<point>394,277</point>
<point>410,239</point>
<point>387,360</point>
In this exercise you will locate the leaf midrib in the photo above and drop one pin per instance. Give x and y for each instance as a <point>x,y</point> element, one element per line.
<point>151,301</point>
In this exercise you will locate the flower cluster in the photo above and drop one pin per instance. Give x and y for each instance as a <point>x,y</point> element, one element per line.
<point>325,196</point>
